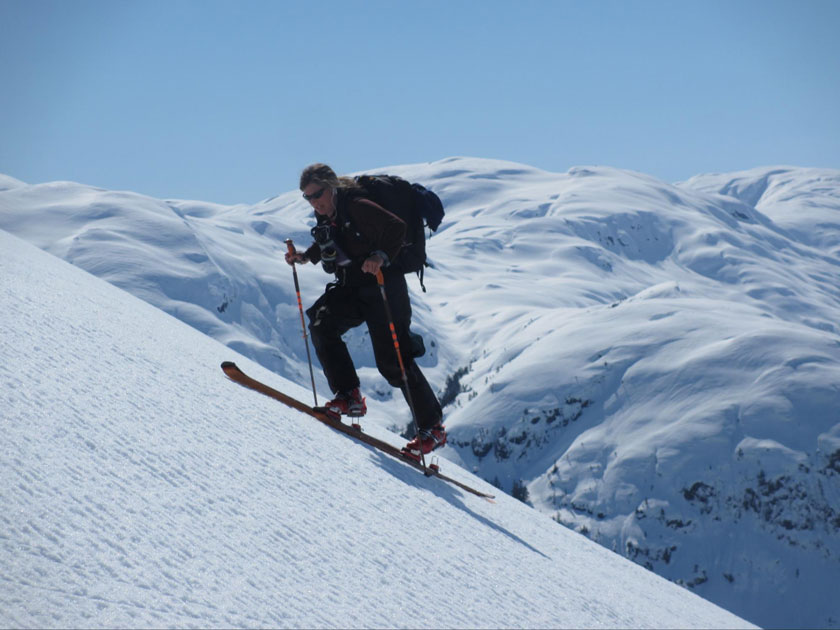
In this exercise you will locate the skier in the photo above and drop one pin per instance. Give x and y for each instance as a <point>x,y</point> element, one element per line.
<point>354,239</point>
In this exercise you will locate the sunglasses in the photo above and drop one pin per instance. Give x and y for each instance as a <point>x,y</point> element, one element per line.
<point>316,195</point>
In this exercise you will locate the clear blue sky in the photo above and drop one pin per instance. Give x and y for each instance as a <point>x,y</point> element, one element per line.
<point>226,101</point>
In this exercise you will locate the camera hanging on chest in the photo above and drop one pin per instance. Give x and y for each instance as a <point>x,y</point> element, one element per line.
<point>332,256</point>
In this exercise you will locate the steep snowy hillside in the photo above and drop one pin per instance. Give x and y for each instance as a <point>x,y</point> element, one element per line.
<point>656,365</point>
<point>196,261</point>
<point>142,489</point>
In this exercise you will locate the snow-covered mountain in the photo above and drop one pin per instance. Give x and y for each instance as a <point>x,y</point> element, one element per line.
<point>656,365</point>
<point>140,488</point>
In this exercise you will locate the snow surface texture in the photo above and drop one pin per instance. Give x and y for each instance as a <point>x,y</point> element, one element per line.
<point>140,488</point>
<point>656,364</point>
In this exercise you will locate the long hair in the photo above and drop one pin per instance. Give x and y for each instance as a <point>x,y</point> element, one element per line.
<point>324,176</point>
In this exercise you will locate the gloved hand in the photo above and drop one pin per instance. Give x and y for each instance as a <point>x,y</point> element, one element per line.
<point>296,257</point>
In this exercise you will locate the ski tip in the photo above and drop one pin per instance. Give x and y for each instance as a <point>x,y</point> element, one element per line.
<point>226,365</point>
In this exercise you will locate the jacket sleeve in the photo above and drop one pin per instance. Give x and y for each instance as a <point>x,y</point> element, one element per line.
<point>383,230</point>
<point>313,254</point>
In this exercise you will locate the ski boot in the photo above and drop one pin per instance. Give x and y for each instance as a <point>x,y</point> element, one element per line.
<point>350,403</point>
<point>425,442</point>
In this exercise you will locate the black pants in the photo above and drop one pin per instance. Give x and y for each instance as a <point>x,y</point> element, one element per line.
<point>342,308</point>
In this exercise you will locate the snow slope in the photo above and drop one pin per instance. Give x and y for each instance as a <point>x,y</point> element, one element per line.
<point>657,364</point>
<point>142,489</point>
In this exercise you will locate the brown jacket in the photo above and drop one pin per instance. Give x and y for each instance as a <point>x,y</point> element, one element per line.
<point>363,228</point>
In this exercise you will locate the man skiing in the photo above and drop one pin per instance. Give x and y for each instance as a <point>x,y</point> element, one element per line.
<point>355,239</point>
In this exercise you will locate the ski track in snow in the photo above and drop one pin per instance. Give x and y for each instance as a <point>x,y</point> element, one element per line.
<point>140,488</point>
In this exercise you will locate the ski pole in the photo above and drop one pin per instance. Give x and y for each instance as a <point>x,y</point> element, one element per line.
<point>291,246</point>
<point>381,281</point>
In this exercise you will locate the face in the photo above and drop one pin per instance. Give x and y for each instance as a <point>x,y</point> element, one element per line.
<point>320,197</point>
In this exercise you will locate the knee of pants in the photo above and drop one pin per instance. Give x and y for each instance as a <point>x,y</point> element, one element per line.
<point>392,374</point>
<point>322,335</point>
<point>315,314</point>
<point>320,320</point>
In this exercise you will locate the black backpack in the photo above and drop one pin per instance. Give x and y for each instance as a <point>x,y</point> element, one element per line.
<point>414,204</point>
